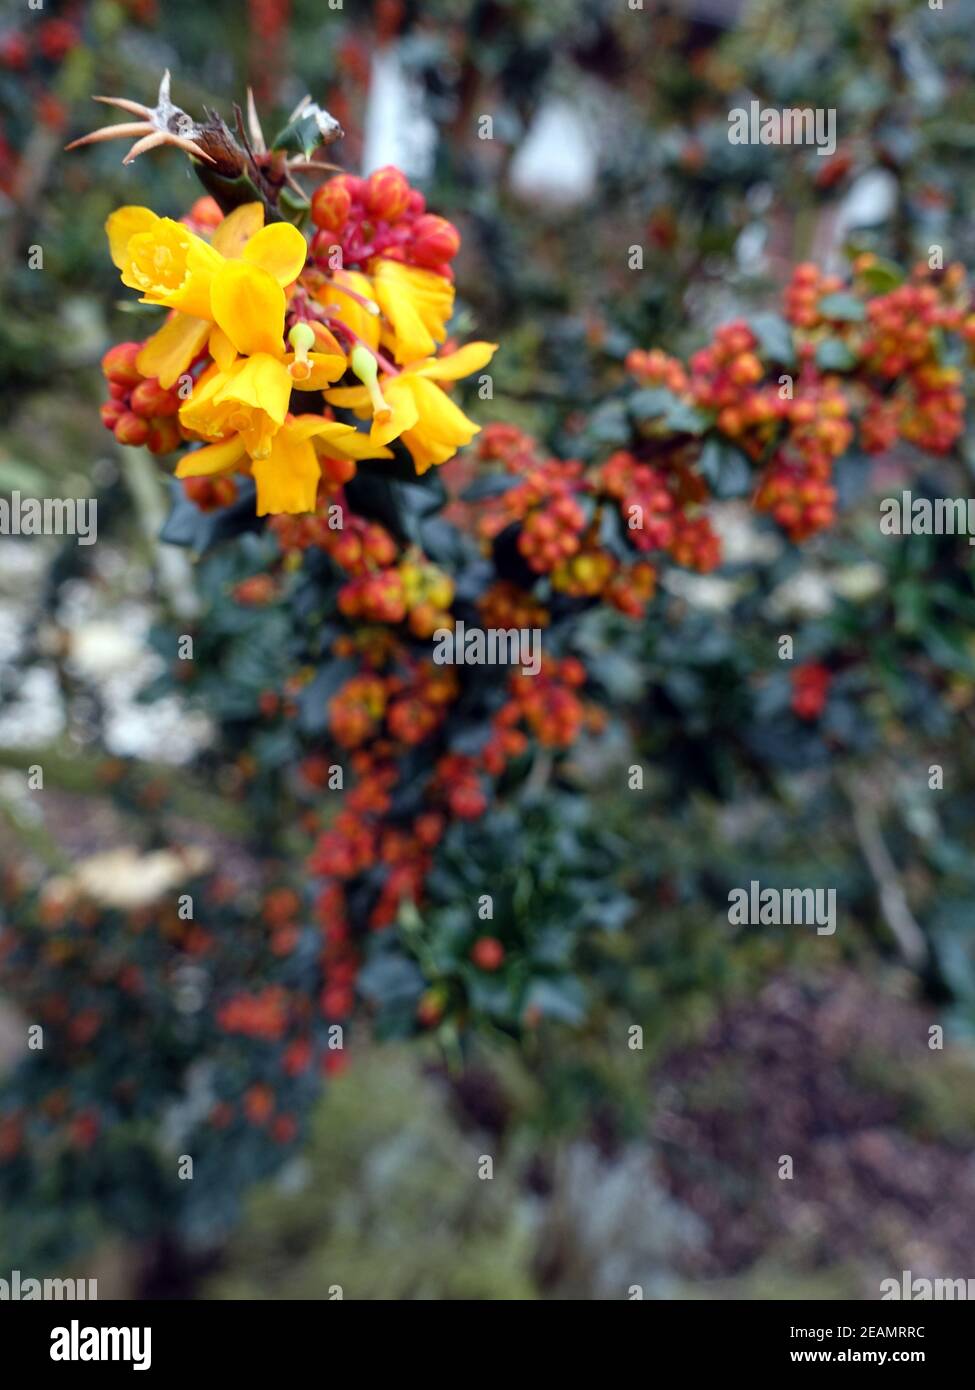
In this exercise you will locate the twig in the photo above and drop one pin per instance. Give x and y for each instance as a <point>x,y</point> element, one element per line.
<point>893,900</point>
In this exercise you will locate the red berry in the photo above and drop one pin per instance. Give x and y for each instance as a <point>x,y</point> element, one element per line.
<point>487,953</point>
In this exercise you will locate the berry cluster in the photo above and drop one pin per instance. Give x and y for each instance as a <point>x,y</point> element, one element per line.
<point>505,605</point>
<point>800,504</point>
<point>549,703</point>
<point>138,410</point>
<point>210,494</point>
<point>898,343</point>
<point>357,546</point>
<point>645,501</point>
<point>656,368</point>
<point>380,216</point>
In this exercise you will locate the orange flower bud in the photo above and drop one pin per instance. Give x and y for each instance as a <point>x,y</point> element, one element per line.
<point>330,205</point>
<point>132,429</point>
<point>387,194</point>
<point>118,364</point>
<point>150,400</point>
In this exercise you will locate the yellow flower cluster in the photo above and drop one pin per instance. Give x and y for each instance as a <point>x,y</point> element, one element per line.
<point>231,297</point>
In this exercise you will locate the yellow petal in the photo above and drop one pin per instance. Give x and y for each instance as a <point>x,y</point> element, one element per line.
<point>403,411</point>
<point>122,225</point>
<point>280,249</point>
<point>417,304</point>
<point>249,306</point>
<point>169,352</point>
<point>211,459</point>
<point>236,229</point>
<point>325,368</point>
<point>470,358</point>
<point>316,426</point>
<point>168,264</point>
<point>287,479</point>
<point>334,439</point>
<point>348,397</point>
<point>261,383</point>
<point>222,349</point>
<point>441,427</point>
<point>201,413</point>
<point>354,445</point>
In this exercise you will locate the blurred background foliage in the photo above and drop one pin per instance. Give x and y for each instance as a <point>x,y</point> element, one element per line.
<point>614,1166</point>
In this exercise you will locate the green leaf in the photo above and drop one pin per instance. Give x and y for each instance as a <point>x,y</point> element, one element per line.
<point>774,336</point>
<point>833,355</point>
<point>656,402</point>
<point>845,307</point>
<point>562,999</point>
<point>725,468</point>
<point>490,485</point>
<point>200,531</point>
<point>314,127</point>
<point>883,276</point>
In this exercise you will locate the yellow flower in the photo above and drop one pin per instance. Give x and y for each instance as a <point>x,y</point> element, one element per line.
<point>174,267</point>
<point>251,396</point>
<point>416,304</point>
<point>287,476</point>
<point>410,406</point>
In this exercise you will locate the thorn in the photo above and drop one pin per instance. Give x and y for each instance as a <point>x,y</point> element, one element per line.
<point>164,98</point>
<point>135,107</point>
<point>149,142</point>
<point>309,166</point>
<point>125,131</point>
<point>191,147</point>
<point>254,122</point>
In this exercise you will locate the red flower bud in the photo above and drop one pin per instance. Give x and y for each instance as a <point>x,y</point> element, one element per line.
<point>205,212</point>
<point>132,429</point>
<point>434,240</point>
<point>387,193</point>
<point>149,399</point>
<point>331,204</point>
<point>111,413</point>
<point>118,364</point>
<point>164,436</point>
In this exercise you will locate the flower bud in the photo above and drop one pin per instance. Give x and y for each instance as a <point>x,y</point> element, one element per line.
<point>205,213</point>
<point>118,364</point>
<point>151,400</point>
<point>111,413</point>
<point>132,429</point>
<point>164,436</point>
<point>330,205</point>
<point>387,194</point>
<point>434,240</point>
